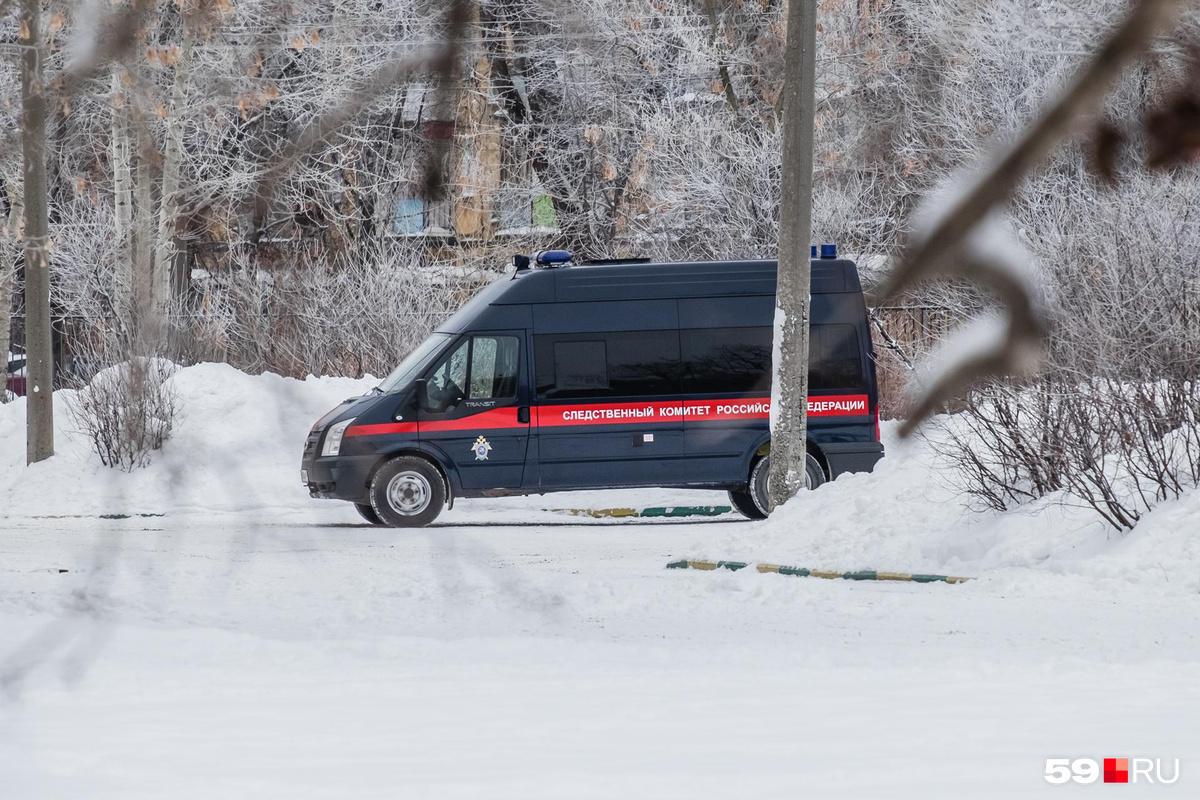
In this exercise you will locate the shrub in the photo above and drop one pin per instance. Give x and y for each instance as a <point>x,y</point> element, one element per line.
<point>127,411</point>
<point>1119,447</point>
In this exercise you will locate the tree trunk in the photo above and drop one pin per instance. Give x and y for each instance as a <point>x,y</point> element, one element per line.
<point>11,236</point>
<point>168,206</point>
<point>789,389</point>
<point>121,146</point>
<point>39,441</point>
<point>145,331</point>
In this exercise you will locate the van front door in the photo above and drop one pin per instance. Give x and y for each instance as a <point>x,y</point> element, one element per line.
<point>476,414</point>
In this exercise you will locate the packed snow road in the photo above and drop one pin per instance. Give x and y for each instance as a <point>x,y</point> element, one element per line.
<point>311,656</point>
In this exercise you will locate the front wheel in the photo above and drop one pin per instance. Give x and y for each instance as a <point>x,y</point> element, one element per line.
<point>407,492</point>
<point>754,501</point>
<point>366,512</point>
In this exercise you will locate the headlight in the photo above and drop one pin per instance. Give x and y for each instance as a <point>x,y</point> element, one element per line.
<point>333,438</point>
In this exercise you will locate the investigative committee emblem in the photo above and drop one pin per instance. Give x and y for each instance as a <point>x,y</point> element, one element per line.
<point>481,448</point>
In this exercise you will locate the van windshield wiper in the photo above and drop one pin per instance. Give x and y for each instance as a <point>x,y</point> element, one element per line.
<point>375,390</point>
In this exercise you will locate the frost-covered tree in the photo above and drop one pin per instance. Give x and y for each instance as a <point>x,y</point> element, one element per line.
<point>611,127</point>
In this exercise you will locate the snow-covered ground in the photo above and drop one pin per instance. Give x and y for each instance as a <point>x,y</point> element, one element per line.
<point>255,643</point>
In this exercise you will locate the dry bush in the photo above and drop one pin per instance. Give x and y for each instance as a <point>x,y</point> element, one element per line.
<point>1118,447</point>
<point>1114,419</point>
<point>1010,443</point>
<point>127,411</point>
<point>331,315</point>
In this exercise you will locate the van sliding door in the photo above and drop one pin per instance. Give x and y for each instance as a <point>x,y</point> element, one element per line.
<point>607,388</point>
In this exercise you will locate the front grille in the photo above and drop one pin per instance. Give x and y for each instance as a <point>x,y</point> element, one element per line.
<point>310,444</point>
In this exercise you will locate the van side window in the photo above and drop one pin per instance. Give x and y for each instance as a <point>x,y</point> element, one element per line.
<point>616,364</point>
<point>480,368</point>
<point>446,384</point>
<point>493,367</point>
<point>726,360</point>
<point>717,360</point>
<point>836,358</point>
<point>580,366</point>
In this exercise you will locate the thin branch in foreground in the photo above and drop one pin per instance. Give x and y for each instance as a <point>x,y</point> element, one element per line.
<point>932,252</point>
<point>117,37</point>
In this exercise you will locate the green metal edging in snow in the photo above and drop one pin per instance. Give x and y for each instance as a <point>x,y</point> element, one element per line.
<point>804,572</point>
<point>654,511</point>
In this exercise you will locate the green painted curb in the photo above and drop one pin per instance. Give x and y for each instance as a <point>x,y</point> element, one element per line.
<point>654,511</point>
<point>804,572</point>
<point>685,511</point>
<point>732,566</point>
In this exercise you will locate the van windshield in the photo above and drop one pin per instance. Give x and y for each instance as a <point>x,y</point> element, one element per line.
<point>417,360</point>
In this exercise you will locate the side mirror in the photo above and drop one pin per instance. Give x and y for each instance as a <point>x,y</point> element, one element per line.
<point>422,394</point>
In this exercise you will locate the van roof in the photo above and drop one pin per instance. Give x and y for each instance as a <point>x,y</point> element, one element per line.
<point>642,281</point>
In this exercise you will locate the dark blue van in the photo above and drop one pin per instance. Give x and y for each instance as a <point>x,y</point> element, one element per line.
<point>603,375</point>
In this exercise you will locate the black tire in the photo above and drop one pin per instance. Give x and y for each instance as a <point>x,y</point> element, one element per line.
<point>754,501</point>
<point>744,503</point>
<point>407,492</point>
<point>366,512</point>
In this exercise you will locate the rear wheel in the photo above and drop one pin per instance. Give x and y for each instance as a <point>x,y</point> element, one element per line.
<point>366,512</point>
<point>744,503</point>
<point>407,492</point>
<point>754,500</point>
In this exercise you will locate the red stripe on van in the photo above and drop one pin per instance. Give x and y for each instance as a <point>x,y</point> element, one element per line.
<point>492,418</point>
<point>626,413</point>
<point>386,427</point>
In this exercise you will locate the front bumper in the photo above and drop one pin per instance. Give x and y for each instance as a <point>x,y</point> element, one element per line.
<point>338,477</point>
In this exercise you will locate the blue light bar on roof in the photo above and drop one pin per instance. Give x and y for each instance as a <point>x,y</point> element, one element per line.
<point>829,251</point>
<point>553,257</point>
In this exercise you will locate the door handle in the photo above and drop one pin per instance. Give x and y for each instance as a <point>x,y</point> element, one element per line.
<point>523,415</point>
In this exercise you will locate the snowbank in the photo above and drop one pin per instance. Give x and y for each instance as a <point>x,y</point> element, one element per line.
<point>236,447</point>
<point>904,517</point>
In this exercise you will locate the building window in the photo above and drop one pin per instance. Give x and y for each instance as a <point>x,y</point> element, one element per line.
<point>544,216</point>
<point>522,204</point>
<point>408,218</point>
<point>414,101</point>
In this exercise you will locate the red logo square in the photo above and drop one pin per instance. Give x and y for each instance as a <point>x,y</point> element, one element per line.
<point>1116,770</point>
